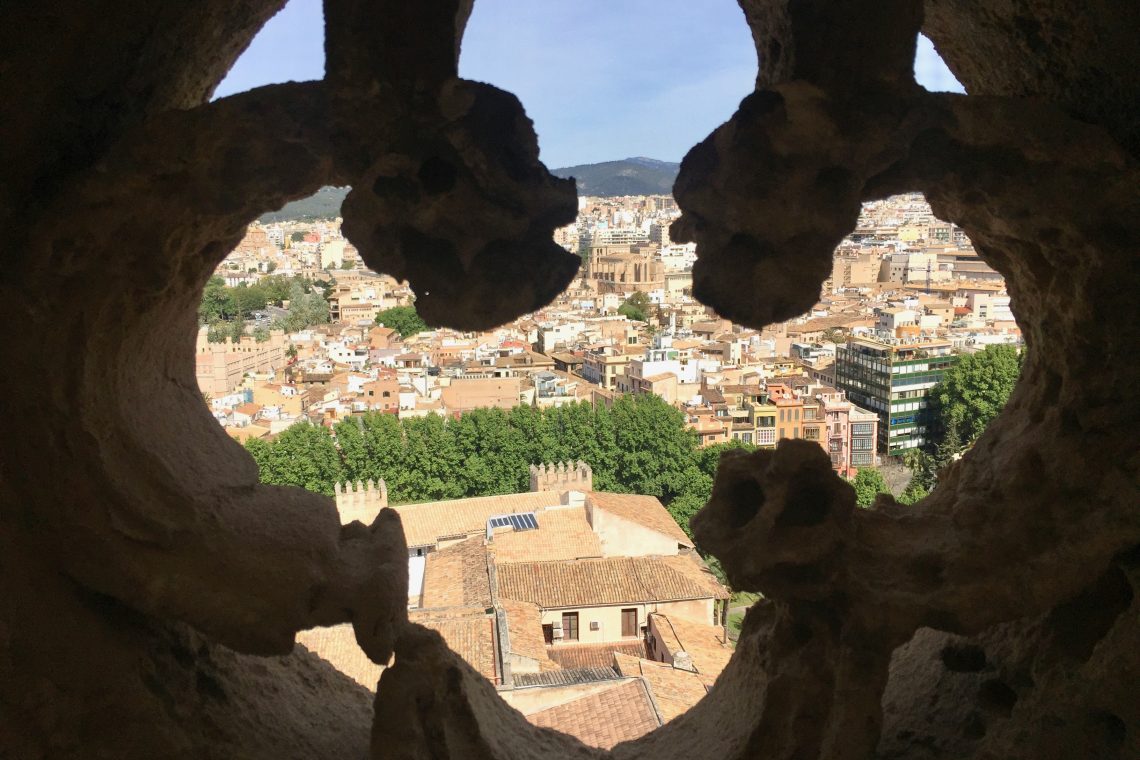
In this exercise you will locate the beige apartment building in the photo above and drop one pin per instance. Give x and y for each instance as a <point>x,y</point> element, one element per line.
<point>604,365</point>
<point>220,367</point>
<point>464,394</point>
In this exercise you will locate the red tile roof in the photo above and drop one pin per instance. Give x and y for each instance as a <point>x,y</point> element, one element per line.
<point>603,719</point>
<point>646,511</point>
<point>614,580</point>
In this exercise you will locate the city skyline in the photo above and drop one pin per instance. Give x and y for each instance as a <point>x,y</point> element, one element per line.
<point>601,82</point>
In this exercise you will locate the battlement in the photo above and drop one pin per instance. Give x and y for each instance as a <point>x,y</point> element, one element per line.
<point>572,476</point>
<point>362,501</point>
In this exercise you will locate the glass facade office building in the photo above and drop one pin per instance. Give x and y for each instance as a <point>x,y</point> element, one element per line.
<point>893,380</point>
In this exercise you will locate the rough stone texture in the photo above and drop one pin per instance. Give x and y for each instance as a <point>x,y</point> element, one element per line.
<point>1080,55</point>
<point>996,619</point>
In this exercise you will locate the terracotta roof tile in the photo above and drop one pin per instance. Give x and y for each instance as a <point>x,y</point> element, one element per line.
<point>457,576</point>
<point>690,564</point>
<point>674,691</point>
<point>427,523</point>
<point>574,656</point>
<point>642,510</point>
<point>597,582</point>
<point>469,632</point>
<point>562,533</point>
<point>605,718</point>
<point>524,632</point>
<point>705,644</point>
<point>337,646</point>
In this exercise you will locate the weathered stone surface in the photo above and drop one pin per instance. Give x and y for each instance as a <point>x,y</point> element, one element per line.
<point>464,211</point>
<point>1080,56</point>
<point>127,518</point>
<point>84,676</point>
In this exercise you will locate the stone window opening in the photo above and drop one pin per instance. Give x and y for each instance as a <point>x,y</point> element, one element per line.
<point>1007,600</point>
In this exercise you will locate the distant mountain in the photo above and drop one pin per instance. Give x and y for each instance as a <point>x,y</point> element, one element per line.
<point>324,204</point>
<point>630,176</point>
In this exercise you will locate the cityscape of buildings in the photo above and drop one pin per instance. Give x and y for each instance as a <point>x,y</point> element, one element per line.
<point>592,612</point>
<point>907,295</point>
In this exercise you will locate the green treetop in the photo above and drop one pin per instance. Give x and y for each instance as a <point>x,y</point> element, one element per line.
<point>403,319</point>
<point>636,307</point>
<point>975,389</point>
<point>868,484</point>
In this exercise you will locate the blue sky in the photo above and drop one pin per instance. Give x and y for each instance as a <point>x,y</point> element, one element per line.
<point>602,79</point>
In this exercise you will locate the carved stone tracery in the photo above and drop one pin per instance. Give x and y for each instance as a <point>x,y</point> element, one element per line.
<point>127,510</point>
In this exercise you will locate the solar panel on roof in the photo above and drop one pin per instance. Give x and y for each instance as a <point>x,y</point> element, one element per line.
<point>519,521</point>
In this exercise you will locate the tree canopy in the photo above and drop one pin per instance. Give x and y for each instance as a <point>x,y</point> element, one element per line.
<point>640,445</point>
<point>971,394</point>
<point>305,309</point>
<point>636,307</point>
<point>221,303</point>
<point>974,390</point>
<point>868,484</point>
<point>403,319</point>
<point>303,455</point>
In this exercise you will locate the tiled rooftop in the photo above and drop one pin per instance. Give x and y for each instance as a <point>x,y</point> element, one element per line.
<point>563,533</point>
<point>594,655</point>
<point>469,632</point>
<point>457,576</point>
<point>705,643</point>
<point>603,719</point>
<point>337,646</point>
<point>565,677</point>
<point>524,632</point>
<point>615,580</point>
<point>425,524</point>
<point>642,510</point>
<point>674,691</point>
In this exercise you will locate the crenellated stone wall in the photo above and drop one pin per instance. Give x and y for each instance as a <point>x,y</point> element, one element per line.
<point>360,501</point>
<point>562,476</point>
<point>151,588</point>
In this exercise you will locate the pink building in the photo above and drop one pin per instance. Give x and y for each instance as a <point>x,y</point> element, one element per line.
<point>851,433</point>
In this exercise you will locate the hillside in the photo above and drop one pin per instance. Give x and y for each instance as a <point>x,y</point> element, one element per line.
<point>324,204</point>
<point>630,176</point>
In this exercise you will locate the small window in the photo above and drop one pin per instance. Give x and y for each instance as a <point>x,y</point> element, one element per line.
<point>569,626</point>
<point>548,633</point>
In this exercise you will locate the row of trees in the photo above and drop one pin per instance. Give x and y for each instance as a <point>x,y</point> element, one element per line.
<point>640,445</point>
